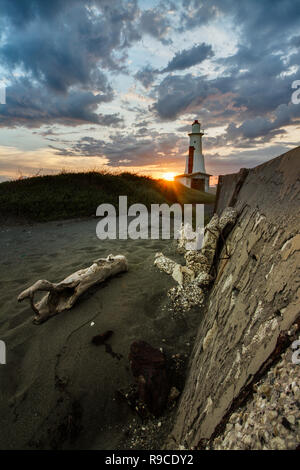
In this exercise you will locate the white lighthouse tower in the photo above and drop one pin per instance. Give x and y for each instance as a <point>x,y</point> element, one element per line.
<point>195,159</point>
<point>195,175</point>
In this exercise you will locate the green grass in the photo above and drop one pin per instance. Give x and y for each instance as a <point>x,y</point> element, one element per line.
<point>70,195</point>
<point>177,192</point>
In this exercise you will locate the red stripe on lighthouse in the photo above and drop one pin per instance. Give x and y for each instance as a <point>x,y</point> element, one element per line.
<point>191,159</point>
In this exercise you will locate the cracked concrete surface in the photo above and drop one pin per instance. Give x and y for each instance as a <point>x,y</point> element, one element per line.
<point>254,299</point>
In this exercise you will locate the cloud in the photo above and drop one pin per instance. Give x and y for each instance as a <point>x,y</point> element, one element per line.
<point>252,95</point>
<point>146,75</point>
<point>284,115</point>
<point>179,94</point>
<point>259,21</point>
<point>181,60</point>
<point>189,57</point>
<point>21,12</point>
<point>218,163</point>
<point>61,60</point>
<point>60,51</point>
<point>156,23</point>
<point>143,148</point>
<point>32,105</point>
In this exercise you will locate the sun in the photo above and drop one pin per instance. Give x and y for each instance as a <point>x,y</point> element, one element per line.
<point>169,176</point>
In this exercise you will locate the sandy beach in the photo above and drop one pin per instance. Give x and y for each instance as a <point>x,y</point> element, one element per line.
<point>55,378</point>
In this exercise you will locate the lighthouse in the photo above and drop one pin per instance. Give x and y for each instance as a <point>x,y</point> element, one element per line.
<point>195,159</point>
<point>195,175</point>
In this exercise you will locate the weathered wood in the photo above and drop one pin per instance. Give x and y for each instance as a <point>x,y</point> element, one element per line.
<point>63,295</point>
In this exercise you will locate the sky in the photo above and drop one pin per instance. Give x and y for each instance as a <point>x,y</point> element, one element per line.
<point>116,84</point>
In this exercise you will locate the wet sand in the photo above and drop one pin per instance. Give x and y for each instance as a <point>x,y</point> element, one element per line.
<point>57,389</point>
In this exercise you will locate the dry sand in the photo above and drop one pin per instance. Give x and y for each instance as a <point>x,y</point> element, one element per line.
<point>57,390</point>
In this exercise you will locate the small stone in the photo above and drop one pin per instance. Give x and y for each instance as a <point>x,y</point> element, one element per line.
<point>265,390</point>
<point>247,440</point>
<point>174,394</point>
<point>273,414</point>
<point>233,418</point>
<point>277,443</point>
<point>229,426</point>
<point>237,427</point>
<point>291,419</point>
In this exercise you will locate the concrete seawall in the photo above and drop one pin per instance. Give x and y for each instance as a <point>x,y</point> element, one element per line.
<point>254,303</point>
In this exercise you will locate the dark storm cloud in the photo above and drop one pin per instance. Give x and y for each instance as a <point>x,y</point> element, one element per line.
<point>260,20</point>
<point>260,126</point>
<point>23,11</point>
<point>178,94</point>
<point>63,53</point>
<point>189,57</point>
<point>25,106</point>
<point>254,93</point>
<point>254,109</point>
<point>63,47</point>
<point>181,60</point>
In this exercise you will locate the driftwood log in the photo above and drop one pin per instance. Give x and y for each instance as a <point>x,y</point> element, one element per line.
<point>63,295</point>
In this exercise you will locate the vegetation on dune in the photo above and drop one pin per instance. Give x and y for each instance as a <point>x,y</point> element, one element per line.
<point>177,192</point>
<point>69,195</point>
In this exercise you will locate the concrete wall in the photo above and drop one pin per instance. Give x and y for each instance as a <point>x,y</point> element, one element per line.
<point>255,297</point>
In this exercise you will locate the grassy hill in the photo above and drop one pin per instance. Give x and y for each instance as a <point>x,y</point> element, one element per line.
<point>70,195</point>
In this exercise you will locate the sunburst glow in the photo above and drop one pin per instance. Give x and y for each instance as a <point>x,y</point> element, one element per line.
<point>169,176</point>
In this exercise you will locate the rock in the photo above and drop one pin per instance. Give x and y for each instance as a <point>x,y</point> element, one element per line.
<point>148,366</point>
<point>174,394</point>
<point>291,419</point>
<point>164,264</point>
<point>198,263</point>
<point>186,297</point>
<point>203,279</point>
<point>277,444</point>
